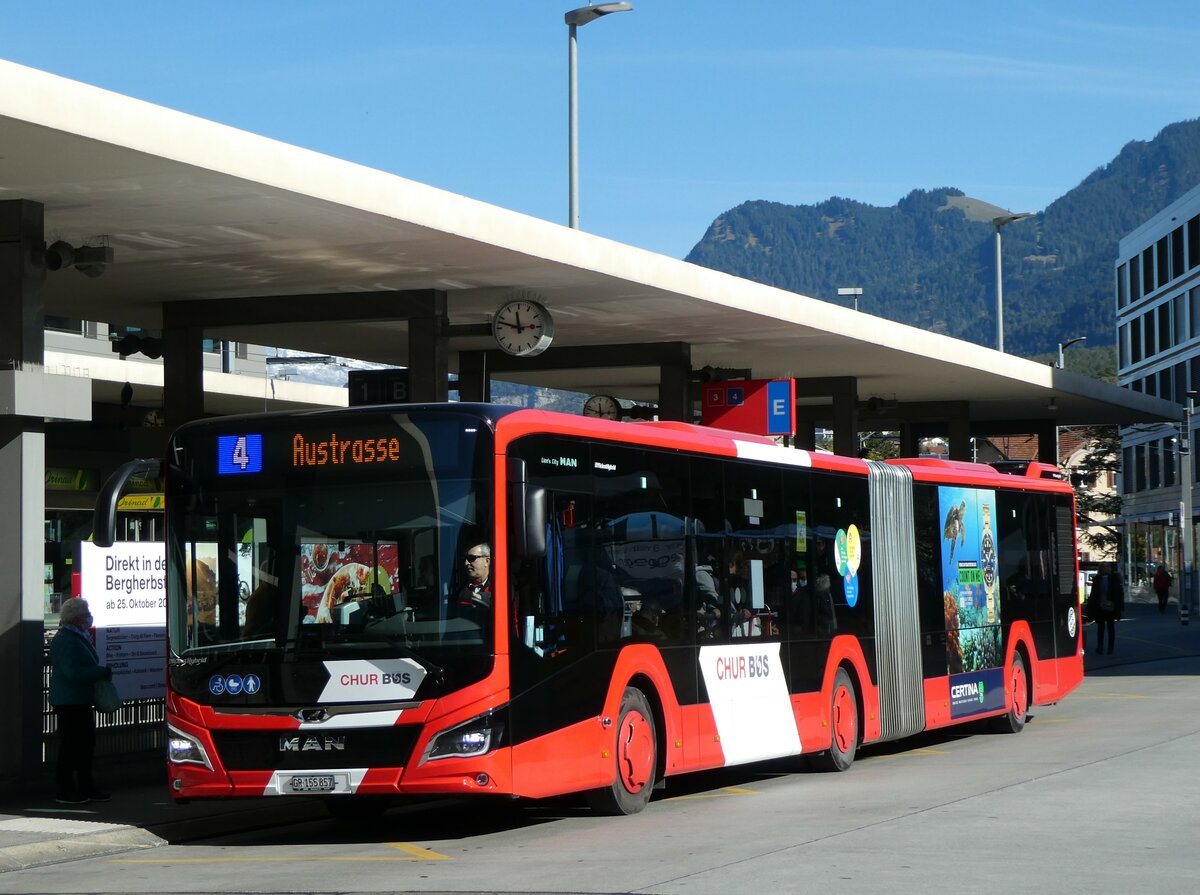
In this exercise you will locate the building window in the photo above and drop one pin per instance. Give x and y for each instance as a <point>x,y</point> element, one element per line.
<point>1164,385</point>
<point>1127,466</point>
<point>1148,334</point>
<point>1193,300</point>
<point>1193,242</point>
<point>1135,340</point>
<point>65,325</point>
<point>1181,380</point>
<point>1135,279</point>
<point>1179,307</point>
<point>1164,327</point>
<point>1152,385</point>
<point>1121,294</point>
<point>1164,262</point>
<point>1168,462</point>
<point>1147,270</point>
<point>1177,266</point>
<point>1139,467</point>
<point>1152,460</point>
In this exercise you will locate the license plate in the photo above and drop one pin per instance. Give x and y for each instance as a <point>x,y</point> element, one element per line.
<point>312,783</point>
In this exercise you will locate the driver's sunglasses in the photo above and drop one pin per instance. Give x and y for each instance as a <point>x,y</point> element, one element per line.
<point>475,557</point>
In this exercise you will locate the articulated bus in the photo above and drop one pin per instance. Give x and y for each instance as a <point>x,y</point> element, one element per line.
<point>472,599</point>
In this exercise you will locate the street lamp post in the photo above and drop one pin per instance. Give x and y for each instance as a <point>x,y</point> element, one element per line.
<point>854,291</point>
<point>1003,221</point>
<point>1185,507</point>
<point>1063,346</point>
<point>574,18</point>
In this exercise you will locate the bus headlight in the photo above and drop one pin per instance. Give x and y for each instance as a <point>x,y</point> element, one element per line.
<point>183,748</point>
<point>471,738</point>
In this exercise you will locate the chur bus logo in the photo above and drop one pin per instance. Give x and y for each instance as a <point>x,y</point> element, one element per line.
<point>312,744</point>
<point>967,691</point>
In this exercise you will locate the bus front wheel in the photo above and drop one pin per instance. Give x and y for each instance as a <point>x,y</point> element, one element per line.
<point>843,725</point>
<point>635,751</point>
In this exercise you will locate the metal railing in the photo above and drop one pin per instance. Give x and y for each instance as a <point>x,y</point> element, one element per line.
<point>136,729</point>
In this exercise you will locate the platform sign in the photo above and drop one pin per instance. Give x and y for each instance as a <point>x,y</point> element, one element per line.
<point>756,406</point>
<point>388,386</point>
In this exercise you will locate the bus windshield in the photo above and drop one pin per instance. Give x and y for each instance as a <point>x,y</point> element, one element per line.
<point>308,537</point>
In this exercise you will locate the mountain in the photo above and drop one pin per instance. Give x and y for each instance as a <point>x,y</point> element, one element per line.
<point>929,260</point>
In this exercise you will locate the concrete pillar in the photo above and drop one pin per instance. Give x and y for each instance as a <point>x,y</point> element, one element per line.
<point>183,369</point>
<point>959,426</point>
<point>428,349</point>
<point>674,387</point>
<point>22,483</point>
<point>845,421</point>
<point>1047,436</point>
<point>474,384</point>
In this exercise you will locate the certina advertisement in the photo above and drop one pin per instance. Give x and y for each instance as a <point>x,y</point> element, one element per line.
<point>974,659</point>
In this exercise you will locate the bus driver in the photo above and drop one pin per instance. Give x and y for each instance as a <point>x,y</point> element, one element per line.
<point>478,592</point>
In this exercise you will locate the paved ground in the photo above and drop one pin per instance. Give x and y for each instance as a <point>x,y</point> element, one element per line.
<point>35,831</point>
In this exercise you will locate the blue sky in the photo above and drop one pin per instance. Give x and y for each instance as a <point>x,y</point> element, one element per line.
<point>686,108</point>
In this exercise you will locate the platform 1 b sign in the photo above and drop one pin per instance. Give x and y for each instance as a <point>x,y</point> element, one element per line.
<point>756,406</point>
<point>389,386</point>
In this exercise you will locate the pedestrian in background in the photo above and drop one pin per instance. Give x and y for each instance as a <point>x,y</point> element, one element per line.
<point>75,669</point>
<point>1162,587</point>
<point>1106,605</point>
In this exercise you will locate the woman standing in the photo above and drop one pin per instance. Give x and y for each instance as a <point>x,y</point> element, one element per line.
<point>75,669</point>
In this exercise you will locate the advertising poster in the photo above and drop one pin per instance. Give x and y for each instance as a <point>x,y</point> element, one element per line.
<point>971,599</point>
<point>336,574</point>
<point>125,586</point>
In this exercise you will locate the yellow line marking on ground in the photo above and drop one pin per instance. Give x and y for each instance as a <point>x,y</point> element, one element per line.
<point>931,751</point>
<point>1049,720</point>
<point>418,853</point>
<point>721,793</point>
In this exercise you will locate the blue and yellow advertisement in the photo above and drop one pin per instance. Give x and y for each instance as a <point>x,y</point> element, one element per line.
<point>971,597</point>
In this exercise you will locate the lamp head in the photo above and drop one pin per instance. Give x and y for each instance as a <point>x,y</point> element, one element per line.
<point>590,13</point>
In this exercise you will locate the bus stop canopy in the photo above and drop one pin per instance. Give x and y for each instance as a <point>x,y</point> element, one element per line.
<point>196,211</point>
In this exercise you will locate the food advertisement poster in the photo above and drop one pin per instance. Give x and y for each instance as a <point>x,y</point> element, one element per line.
<point>333,574</point>
<point>125,586</point>
<point>971,599</point>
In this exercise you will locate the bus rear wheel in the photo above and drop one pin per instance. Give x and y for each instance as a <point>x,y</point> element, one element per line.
<point>843,725</point>
<point>636,754</point>
<point>1013,721</point>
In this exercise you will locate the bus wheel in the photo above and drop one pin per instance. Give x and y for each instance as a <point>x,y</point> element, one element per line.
<point>636,754</point>
<point>843,723</point>
<point>1013,721</point>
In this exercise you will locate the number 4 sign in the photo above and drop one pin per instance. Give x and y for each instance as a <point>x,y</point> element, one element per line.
<point>239,454</point>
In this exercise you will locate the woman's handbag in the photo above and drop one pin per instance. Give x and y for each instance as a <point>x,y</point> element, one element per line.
<point>106,697</point>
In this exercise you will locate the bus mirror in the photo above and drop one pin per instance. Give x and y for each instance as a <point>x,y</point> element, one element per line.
<point>104,518</point>
<point>534,524</point>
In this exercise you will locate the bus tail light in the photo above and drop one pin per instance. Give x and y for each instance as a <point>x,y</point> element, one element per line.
<point>183,748</point>
<point>476,737</point>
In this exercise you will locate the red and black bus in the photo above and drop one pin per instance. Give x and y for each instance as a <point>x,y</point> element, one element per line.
<point>657,598</point>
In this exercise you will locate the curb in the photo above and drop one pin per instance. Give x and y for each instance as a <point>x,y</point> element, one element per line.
<point>73,848</point>
<point>125,838</point>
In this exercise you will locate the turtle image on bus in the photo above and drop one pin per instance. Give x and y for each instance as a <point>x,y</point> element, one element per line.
<point>473,599</point>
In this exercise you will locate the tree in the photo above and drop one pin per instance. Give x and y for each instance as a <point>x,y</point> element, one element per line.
<point>1098,505</point>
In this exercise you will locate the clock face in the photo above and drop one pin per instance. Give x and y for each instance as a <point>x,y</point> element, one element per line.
<point>603,407</point>
<point>523,328</point>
